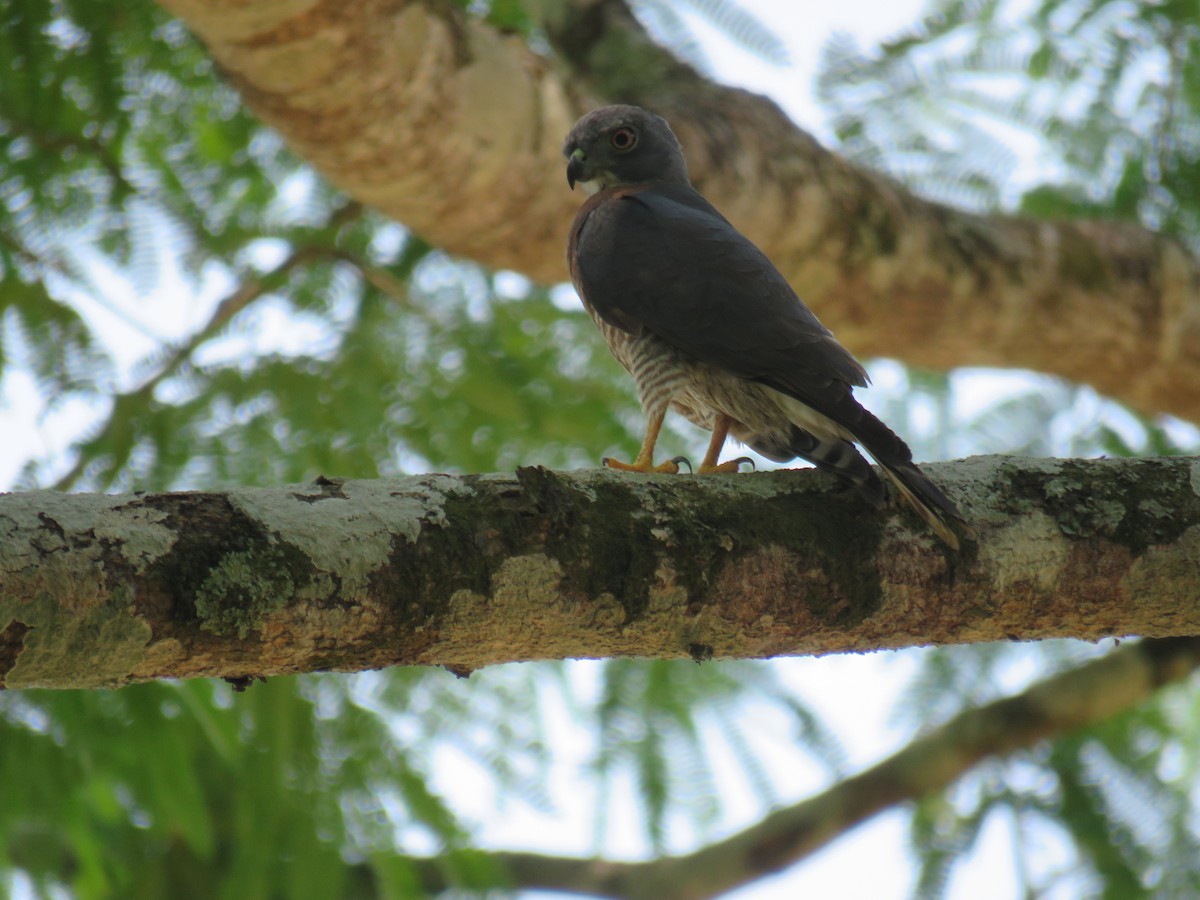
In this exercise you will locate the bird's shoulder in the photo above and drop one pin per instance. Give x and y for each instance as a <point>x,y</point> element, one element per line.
<point>645,203</point>
<point>659,257</point>
<point>644,227</point>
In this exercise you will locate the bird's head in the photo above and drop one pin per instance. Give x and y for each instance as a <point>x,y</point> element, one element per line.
<point>619,145</point>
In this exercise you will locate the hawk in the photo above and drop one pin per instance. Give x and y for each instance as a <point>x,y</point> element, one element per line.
<point>707,325</point>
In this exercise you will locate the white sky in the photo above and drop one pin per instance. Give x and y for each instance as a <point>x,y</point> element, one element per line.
<point>854,692</point>
<point>804,26</point>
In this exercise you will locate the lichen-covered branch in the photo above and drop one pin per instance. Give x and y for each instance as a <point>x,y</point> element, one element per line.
<point>454,128</point>
<point>1074,699</point>
<point>475,570</point>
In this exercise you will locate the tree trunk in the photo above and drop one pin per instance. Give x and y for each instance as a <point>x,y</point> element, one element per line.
<point>470,571</point>
<point>454,128</point>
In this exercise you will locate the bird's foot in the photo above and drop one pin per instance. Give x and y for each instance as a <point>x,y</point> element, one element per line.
<point>725,468</point>
<point>670,467</point>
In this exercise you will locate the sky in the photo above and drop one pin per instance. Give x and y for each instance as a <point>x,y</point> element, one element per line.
<point>804,26</point>
<point>855,693</point>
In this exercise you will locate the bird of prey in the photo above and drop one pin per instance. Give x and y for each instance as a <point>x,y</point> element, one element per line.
<point>708,326</point>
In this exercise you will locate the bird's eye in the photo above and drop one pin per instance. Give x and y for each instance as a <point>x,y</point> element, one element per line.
<point>623,139</point>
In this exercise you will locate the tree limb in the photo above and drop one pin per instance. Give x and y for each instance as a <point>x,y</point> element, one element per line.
<point>483,569</point>
<point>247,292</point>
<point>1063,703</point>
<point>453,128</point>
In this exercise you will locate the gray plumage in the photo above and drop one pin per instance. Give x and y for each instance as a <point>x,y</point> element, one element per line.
<point>707,325</point>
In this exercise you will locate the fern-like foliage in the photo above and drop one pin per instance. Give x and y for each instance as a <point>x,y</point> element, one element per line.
<point>1098,98</point>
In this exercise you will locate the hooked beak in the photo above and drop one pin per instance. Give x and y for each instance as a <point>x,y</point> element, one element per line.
<point>575,166</point>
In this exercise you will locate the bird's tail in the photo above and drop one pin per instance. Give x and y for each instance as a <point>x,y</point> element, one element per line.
<point>834,455</point>
<point>925,497</point>
<point>841,458</point>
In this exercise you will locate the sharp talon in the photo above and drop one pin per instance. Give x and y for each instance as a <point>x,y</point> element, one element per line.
<point>731,467</point>
<point>668,468</point>
<point>683,461</point>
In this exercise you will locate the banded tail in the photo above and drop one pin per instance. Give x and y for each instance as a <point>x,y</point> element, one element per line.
<point>843,459</point>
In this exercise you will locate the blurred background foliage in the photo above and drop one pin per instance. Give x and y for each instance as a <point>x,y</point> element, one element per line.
<point>187,305</point>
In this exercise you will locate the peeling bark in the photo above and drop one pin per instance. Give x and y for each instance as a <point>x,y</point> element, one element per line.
<point>454,129</point>
<point>102,590</point>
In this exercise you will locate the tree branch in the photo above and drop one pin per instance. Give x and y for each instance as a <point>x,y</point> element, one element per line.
<point>1063,703</point>
<point>125,403</point>
<point>453,128</point>
<point>476,570</point>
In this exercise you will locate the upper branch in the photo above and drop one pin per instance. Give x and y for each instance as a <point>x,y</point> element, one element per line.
<point>476,570</point>
<point>454,128</point>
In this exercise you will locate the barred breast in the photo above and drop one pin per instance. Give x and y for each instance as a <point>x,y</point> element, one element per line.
<point>658,369</point>
<point>762,418</point>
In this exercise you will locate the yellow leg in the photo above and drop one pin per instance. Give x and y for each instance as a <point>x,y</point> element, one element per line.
<point>710,466</point>
<point>645,457</point>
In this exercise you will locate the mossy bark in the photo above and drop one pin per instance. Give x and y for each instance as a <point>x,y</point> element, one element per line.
<point>101,590</point>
